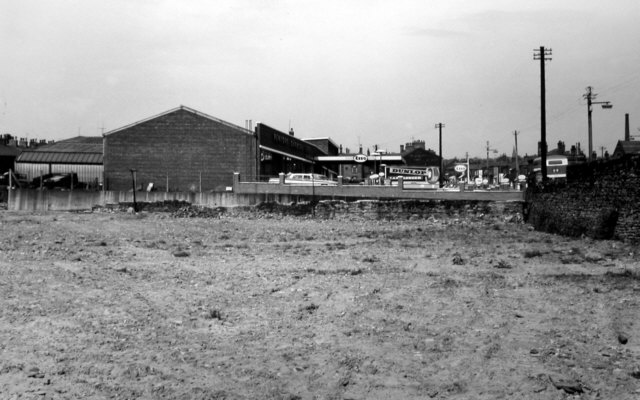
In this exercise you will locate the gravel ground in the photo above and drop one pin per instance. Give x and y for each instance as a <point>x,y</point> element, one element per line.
<point>117,305</point>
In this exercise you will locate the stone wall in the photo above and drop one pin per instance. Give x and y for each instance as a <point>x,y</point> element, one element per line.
<point>439,210</point>
<point>598,200</point>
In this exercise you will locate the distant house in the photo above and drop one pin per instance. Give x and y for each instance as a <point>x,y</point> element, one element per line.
<point>626,148</point>
<point>420,157</point>
<point>81,155</point>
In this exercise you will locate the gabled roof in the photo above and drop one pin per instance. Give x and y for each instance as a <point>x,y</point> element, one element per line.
<point>9,151</point>
<point>78,150</point>
<point>190,110</point>
<point>625,147</point>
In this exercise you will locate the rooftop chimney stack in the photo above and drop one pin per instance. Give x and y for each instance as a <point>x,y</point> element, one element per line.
<point>627,135</point>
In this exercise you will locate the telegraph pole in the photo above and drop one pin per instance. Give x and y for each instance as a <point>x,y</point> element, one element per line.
<point>541,54</point>
<point>439,126</point>
<point>515,134</point>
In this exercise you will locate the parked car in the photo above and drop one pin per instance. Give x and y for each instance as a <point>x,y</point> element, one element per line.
<point>305,179</point>
<point>56,181</point>
<point>22,180</point>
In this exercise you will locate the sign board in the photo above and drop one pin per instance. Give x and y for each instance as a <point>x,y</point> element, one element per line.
<point>429,174</point>
<point>460,168</point>
<point>360,158</point>
<point>478,181</point>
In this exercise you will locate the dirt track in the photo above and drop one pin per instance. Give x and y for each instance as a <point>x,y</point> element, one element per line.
<point>148,306</point>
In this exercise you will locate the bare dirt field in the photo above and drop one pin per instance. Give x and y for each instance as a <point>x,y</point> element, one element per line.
<point>127,306</point>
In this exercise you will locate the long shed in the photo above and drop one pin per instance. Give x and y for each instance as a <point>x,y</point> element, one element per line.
<point>81,155</point>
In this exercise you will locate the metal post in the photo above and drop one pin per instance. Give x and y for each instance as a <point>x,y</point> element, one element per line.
<point>133,181</point>
<point>440,125</point>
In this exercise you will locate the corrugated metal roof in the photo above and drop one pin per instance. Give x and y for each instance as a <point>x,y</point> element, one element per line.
<point>57,157</point>
<point>77,150</point>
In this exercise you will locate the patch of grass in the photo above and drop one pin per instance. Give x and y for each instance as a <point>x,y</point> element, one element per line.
<point>502,264</point>
<point>335,246</point>
<point>214,314</point>
<point>458,260</point>
<point>532,253</point>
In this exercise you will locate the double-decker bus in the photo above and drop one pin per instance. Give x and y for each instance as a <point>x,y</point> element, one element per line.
<point>556,167</point>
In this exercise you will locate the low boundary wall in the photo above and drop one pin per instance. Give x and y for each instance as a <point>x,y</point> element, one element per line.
<point>242,194</point>
<point>77,200</point>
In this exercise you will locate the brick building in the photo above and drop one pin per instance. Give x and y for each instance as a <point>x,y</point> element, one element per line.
<point>179,150</point>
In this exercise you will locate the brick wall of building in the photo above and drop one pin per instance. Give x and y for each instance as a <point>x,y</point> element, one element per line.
<point>188,149</point>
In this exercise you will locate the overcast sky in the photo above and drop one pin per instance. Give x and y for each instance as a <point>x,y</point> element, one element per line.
<point>358,71</point>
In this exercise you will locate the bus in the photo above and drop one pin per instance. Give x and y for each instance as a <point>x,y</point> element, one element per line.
<point>556,167</point>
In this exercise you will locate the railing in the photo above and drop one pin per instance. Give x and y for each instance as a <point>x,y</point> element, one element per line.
<point>281,191</point>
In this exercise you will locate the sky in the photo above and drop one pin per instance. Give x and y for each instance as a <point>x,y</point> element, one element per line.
<point>362,72</point>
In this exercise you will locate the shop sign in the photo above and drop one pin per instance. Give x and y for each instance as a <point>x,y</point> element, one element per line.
<point>460,168</point>
<point>360,158</point>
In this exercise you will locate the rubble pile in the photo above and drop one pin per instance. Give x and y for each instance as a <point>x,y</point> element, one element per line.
<point>190,211</point>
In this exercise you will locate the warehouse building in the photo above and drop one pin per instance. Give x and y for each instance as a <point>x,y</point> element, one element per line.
<point>283,152</point>
<point>179,150</point>
<point>81,155</point>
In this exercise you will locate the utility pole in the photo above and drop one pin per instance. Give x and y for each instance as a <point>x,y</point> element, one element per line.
<point>541,55</point>
<point>605,104</point>
<point>515,134</point>
<point>439,126</point>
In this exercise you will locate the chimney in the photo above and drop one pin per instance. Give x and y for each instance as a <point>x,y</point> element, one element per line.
<point>291,131</point>
<point>23,142</point>
<point>401,148</point>
<point>340,150</point>
<point>627,135</point>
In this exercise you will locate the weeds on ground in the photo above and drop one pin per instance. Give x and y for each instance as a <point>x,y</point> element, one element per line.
<point>532,253</point>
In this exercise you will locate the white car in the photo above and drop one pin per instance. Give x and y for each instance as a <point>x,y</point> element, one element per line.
<point>303,179</point>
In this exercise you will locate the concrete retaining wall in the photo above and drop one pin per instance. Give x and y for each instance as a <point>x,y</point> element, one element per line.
<point>77,200</point>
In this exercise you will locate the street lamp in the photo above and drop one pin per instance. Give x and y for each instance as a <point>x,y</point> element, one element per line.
<point>605,105</point>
